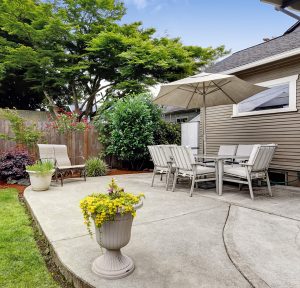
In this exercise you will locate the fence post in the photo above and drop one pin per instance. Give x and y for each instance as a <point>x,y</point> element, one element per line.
<point>85,144</point>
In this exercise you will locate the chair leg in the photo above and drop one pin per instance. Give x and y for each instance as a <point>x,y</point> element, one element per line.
<point>240,186</point>
<point>250,186</point>
<point>154,172</point>
<point>84,174</point>
<point>268,183</point>
<point>192,187</point>
<point>61,179</point>
<point>175,180</point>
<point>168,179</point>
<point>161,175</point>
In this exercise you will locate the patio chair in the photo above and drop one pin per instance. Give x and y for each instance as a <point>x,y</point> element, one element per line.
<point>243,150</point>
<point>161,158</point>
<point>187,167</point>
<point>224,150</point>
<point>256,167</point>
<point>63,165</point>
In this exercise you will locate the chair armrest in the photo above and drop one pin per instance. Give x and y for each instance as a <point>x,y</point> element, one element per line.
<point>245,164</point>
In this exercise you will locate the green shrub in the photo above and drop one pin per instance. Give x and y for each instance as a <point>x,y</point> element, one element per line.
<point>167,133</point>
<point>95,166</point>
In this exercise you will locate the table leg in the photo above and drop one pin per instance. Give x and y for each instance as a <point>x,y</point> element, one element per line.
<point>220,176</point>
<point>217,176</point>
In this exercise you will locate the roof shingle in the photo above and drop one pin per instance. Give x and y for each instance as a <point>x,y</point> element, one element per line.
<point>288,41</point>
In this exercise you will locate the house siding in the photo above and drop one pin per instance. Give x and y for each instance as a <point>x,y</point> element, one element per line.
<point>172,117</point>
<point>280,128</point>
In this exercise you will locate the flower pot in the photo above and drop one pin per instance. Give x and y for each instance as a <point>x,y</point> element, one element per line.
<point>40,181</point>
<point>113,235</point>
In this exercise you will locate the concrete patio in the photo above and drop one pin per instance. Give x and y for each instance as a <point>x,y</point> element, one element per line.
<point>178,241</point>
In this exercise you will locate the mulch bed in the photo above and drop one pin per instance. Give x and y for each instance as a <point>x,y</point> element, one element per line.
<point>113,172</point>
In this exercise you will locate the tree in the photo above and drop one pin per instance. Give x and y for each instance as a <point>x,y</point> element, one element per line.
<point>76,50</point>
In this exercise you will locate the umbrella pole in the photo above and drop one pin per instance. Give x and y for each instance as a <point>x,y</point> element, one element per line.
<point>204,125</point>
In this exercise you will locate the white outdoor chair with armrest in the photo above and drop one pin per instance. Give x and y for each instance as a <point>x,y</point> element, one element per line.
<point>243,150</point>
<point>256,167</point>
<point>224,150</point>
<point>161,157</point>
<point>187,167</point>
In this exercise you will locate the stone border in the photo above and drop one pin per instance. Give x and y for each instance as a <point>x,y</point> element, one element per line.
<point>70,276</point>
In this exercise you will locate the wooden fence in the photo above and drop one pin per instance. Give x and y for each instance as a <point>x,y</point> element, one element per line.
<point>79,143</point>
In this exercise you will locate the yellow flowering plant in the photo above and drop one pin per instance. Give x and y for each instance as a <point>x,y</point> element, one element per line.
<point>104,207</point>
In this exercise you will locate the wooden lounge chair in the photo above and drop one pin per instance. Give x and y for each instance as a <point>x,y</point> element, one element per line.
<point>59,155</point>
<point>256,167</point>
<point>187,167</point>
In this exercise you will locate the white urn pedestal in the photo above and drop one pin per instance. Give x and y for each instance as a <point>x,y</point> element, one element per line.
<point>113,235</point>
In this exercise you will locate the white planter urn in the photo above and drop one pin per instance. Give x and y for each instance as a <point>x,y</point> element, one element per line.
<point>40,181</point>
<point>113,235</point>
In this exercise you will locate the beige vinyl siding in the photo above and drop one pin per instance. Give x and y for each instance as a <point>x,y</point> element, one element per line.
<point>280,128</point>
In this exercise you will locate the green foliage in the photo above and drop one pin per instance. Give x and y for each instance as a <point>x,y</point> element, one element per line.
<point>167,133</point>
<point>127,126</point>
<point>78,48</point>
<point>21,264</point>
<point>41,167</point>
<point>24,134</point>
<point>95,166</point>
<point>131,127</point>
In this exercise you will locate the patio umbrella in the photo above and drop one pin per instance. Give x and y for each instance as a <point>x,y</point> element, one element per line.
<point>206,90</point>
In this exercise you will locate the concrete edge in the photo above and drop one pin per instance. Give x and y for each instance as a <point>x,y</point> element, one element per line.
<point>232,252</point>
<point>288,188</point>
<point>70,276</point>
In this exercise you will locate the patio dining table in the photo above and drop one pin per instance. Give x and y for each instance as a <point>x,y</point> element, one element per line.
<point>219,165</point>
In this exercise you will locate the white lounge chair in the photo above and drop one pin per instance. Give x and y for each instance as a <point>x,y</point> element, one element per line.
<point>62,162</point>
<point>256,167</point>
<point>161,158</point>
<point>187,167</point>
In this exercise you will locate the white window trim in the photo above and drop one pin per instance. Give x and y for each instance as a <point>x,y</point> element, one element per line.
<point>292,80</point>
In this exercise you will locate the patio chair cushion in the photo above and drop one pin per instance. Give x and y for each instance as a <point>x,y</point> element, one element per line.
<point>200,170</point>
<point>240,172</point>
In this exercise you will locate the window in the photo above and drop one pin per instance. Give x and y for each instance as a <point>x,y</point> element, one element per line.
<point>181,119</point>
<point>281,97</point>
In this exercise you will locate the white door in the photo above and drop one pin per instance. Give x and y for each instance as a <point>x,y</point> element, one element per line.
<point>190,135</point>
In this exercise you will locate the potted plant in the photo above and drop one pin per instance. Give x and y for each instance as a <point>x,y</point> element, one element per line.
<point>40,175</point>
<point>112,214</point>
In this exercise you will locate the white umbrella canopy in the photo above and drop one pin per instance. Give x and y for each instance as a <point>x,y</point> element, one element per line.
<point>206,90</point>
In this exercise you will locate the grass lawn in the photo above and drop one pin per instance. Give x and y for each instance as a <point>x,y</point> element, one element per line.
<point>21,264</point>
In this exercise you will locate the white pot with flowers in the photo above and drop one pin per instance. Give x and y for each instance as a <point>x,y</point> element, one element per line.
<point>112,214</point>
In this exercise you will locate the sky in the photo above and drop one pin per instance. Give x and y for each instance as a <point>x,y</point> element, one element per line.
<point>237,24</point>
